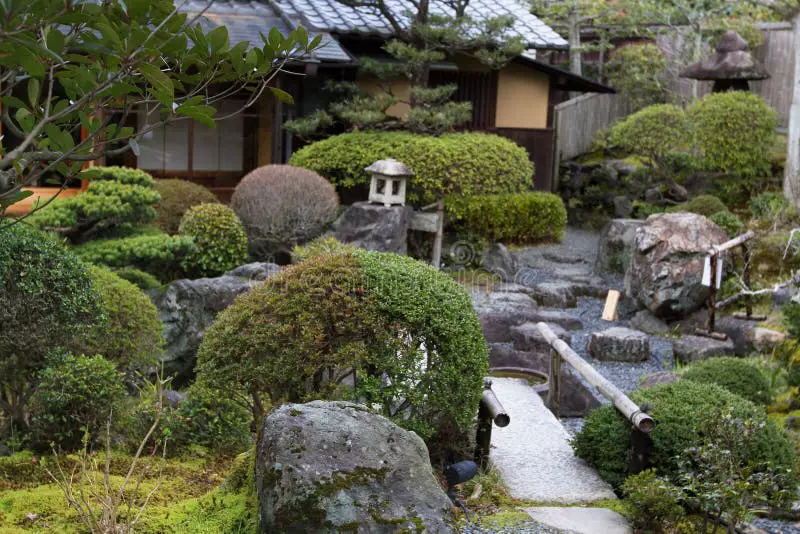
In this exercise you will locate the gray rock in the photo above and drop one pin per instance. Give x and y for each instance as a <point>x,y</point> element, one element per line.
<point>616,244</point>
<point>622,167</point>
<point>747,336</point>
<point>766,339</point>
<point>555,294</point>
<point>335,466</point>
<point>4,451</point>
<point>690,349</point>
<point>187,308</point>
<point>648,323</point>
<point>576,400</point>
<point>499,261</point>
<point>666,266</point>
<point>661,377</point>
<point>499,311</point>
<point>623,207</point>
<point>581,520</point>
<point>374,227</point>
<point>173,398</point>
<point>558,317</point>
<point>782,297</point>
<point>526,337</point>
<point>255,271</point>
<point>653,196</point>
<point>618,344</point>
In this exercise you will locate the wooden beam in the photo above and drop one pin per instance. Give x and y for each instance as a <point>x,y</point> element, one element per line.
<point>791,180</point>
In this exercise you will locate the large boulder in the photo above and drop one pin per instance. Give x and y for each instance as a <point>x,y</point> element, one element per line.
<point>188,307</point>
<point>498,260</point>
<point>689,349</point>
<point>618,344</point>
<point>616,243</point>
<point>374,227</point>
<point>337,467</point>
<point>666,265</point>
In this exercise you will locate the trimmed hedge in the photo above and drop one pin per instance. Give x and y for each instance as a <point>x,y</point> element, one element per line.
<point>219,238</point>
<point>520,218</point>
<point>737,375</point>
<point>177,196</point>
<point>467,164</point>
<point>678,409</point>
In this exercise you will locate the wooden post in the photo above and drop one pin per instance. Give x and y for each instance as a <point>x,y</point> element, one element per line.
<point>712,296</point>
<point>436,256</point>
<point>483,438</point>
<point>748,299</point>
<point>554,391</point>
<point>640,459</point>
<point>791,179</point>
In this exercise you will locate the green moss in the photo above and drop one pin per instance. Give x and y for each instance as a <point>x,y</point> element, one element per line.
<point>505,519</point>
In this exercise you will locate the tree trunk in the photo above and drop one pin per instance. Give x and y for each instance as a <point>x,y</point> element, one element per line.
<point>791,181</point>
<point>574,36</point>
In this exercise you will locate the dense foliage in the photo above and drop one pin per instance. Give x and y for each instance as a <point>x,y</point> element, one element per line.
<point>142,280</point>
<point>637,72</point>
<point>46,301</point>
<point>401,332</point>
<point>177,196</point>
<point>158,254</point>
<point>655,502</point>
<point>321,245</point>
<point>464,164</point>
<point>77,395</point>
<point>282,206</point>
<point>652,132</point>
<point>729,222</point>
<point>520,218</point>
<point>679,409</point>
<point>132,333</point>
<point>735,132</point>
<point>737,375</point>
<point>219,239</point>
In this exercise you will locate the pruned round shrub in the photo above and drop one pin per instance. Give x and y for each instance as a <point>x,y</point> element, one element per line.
<point>706,205</point>
<point>177,196</point>
<point>403,334</point>
<point>219,238</point>
<point>467,164</point>
<point>519,218</point>
<point>637,72</point>
<point>282,206</point>
<point>161,255</point>
<point>76,395</point>
<point>735,131</point>
<point>142,280</point>
<point>652,132</point>
<point>678,409</point>
<point>321,245</point>
<point>46,301</point>
<point>737,375</point>
<point>133,332</point>
<point>729,222</point>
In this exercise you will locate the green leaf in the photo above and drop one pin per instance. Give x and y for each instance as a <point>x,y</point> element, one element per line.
<point>161,83</point>
<point>21,195</point>
<point>29,61</point>
<point>33,91</point>
<point>24,119</point>
<point>202,114</point>
<point>218,38</point>
<point>282,95</point>
<point>110,36</point>
<point>55,40</point>
<point>13,102</point>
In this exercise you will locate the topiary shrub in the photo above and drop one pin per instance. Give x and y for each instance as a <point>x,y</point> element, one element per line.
<point>729,222</point>
<point>735,131</point>
<point>520,218</point>
<point>361,318</point>
<point>142,280</point>
<point>76,395</point>
<point>161,255</point>
<point>637,72</point>
<point>467,164</point>
<point>282,206</point>
<point>678,409</point>
<point>47,301</point>
<point>219,238</point>
<point>116,199</point>
<point>133,332</point>
<point>653,132</point>
<point>177,196</point>
<point>737,375</point>
<point>706,205</point>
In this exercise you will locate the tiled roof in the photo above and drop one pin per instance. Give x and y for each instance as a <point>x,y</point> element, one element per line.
<point>332,16</point>
<point>247,20</point>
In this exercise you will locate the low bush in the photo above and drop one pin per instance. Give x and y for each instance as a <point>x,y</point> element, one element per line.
<point>678,409</point>
<point>219,238</point>
<point>177,196</point>
<point>282,206</point>
<point>404,333</point>
<point>512,218</point>
<point>655,502</point>
<point>729,222</point>
<point>76,396</point>
<point>653,132</point>
<point>160,255</point>
<point>706,205</point>
<point>737,375</point>
<point>767,205</point>
<point>132,334</point>
<point>467,164</point>
<point>142,280</point>
<point>47,301</point>
<point>735,131</point>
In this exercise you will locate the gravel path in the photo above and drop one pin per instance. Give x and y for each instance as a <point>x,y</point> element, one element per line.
<point>524,528</point>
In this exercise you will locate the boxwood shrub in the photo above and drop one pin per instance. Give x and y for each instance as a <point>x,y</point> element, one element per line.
<point>678,409</point>
<point>463,163</point>
<point>511,218</point>
<point>219,238</point>
<point>737,375</point>
<point>177,196</point>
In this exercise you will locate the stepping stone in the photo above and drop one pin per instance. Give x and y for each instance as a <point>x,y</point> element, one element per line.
<point>562,319</point>
<point>581,520</point>
<point>619,344</point>
<point>648,323</point>
<point>555,294</point>
<point>690,349</point>
<point>526,337</point>
<point>533,454</point>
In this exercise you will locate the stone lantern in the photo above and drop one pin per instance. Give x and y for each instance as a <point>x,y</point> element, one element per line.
<point>389,178</point>
<point>730,67</point>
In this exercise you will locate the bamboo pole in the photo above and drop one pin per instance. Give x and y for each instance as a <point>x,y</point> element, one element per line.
<point>716,250</point>
<point>622,402</point>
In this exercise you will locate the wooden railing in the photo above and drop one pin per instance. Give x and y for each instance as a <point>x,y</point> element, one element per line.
<point>642,423</point>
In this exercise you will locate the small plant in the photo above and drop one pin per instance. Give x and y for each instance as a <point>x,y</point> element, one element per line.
<point>767,205</point>
<point>219,238</point>
<point>282,206</point>
<point>177,196</point>
<point>729,222</point>
<point>655,502</point>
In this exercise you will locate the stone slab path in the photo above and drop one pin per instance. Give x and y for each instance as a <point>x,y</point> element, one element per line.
<point>581,520</point>
<point>533,454</point>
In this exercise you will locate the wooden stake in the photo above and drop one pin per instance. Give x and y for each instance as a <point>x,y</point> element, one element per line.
<point>554,391</point>
<point>612,302</point>
<point>436,257</point>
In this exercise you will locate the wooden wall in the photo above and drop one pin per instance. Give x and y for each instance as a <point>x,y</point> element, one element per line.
<point>539,144</point>
<point>578,120</point>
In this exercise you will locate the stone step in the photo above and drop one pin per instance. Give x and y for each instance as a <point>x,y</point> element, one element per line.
<point>580,520</point>
<point>533,454</point>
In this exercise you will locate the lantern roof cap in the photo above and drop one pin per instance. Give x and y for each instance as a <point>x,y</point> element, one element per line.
<point>730,61</point>
<point>390,167</point>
